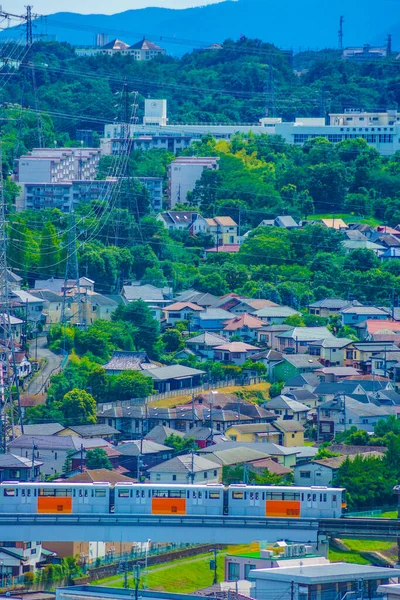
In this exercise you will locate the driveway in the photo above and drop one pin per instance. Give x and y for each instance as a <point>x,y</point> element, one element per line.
<point>38,384</point>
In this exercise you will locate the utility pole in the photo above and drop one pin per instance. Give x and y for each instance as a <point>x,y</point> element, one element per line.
<point>389,45</point>
<point>270,89</point>
<point>8,367</point>
<point>340,32</point>
<point>137,580</point>
<point>213,565</point>
<point>27,17</point>
<point>72,272</point>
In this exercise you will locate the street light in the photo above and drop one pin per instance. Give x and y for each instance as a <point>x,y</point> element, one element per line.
<point>213,564</point>
<point>145,564</point>
<point>2,574</point>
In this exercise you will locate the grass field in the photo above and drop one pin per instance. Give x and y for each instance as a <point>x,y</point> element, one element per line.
<point>391,514</point>
<point>355,547</point>
<point>347,218</point>
<point>246,391</point>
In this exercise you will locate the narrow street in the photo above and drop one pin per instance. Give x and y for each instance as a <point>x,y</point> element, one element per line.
<point>37,385</point>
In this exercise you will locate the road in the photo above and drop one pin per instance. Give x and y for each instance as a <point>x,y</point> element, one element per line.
<point>37,384</point>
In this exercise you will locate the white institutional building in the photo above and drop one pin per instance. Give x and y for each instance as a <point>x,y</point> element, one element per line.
<point>380,129</point>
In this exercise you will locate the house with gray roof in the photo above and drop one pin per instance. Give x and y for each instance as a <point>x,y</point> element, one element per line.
<point>330,306</point>
<point>294,364</point>
<point>43,429</point>
<point>308,381</point>
<point>299,338</point>
<point>343,411</point>
<point>121,361</point>
<point>353,315</point>
<point>174,377</point>
<point>322,472</point>
<point>151,295</point>
<point>287,408</point>
<point>275,314</point>
<point>185,469</point>
<point>282,455</point>
<point>203,299</point>
<point>203,344</point>
<point>212,319</point>
<point>19,468</point>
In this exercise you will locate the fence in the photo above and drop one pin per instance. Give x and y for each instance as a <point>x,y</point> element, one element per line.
<point>375,512</point>
<point>185,392</point>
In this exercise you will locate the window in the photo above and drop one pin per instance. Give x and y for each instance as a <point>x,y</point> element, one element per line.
<point>55,492</point>
<point>237,495</point>
<point>100,493</point>
<point>214,495</point>
<point>233,571</point>
<point>247,569</point>
<point>215,473</point>
<point>123,493</point>
<point>305,474</point>
<point>173,477</point>
<point>168,493</point>
<point>205,474</point>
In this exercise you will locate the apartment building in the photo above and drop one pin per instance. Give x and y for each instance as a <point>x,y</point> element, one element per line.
<point>183,174</point>
<point>52,165</point>
<point>143,50</point>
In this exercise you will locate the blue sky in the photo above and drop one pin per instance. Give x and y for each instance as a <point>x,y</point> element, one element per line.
<point>45,7</point>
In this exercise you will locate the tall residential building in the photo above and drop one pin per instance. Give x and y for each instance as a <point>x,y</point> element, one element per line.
<point>183,173</point>
<point>52,165</point>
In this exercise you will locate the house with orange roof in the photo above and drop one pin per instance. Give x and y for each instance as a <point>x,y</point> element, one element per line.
<point>181,311</point>
<point>245,325</point>
<point>224,230</point>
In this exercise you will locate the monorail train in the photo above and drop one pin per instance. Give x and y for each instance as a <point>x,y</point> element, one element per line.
<point>172,499</point>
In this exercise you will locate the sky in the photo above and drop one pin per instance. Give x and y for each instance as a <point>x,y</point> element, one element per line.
<point>46,7</point>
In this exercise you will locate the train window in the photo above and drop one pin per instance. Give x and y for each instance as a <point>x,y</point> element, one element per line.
<point>200,494</point>
<point>188,495</point>
<point>245,495</point>
<point>55,492</point>
<point>137,493</point>
<point>144,493</point>
<point>314,497</point>
<point>263,495</point>
<point>334,498</point>
<point>160,493</point>
<point>275,496</point>
<point>205,495</point>
<point>100,493</point>
<point>302,497</point>
<point>123,493</point>
<point>320,497</point>
<point>195,494</point>
<point>324,497</point>
<point>176,493</point>
<point>308,497</point>
<point>22,492</point>
<point>9,492</point>
<point>257,495</point>
<point>214,495</point>
<point>237,495</point>
<point>251,495</point>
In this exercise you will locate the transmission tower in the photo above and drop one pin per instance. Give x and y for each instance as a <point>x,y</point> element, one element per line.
<point>27,18</point>
<point>270,90</point>
<point>340,33</point>
<point>9,388</point>
<point>72,272</point>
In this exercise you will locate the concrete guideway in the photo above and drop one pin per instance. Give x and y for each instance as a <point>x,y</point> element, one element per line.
<point>125,528</point>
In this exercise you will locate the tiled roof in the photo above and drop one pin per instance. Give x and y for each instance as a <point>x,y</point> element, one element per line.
<point>173,372</point>
<point>145,292</point>
<point>58,442</point>
<point>185,464</point>
<point>43,429</point>
<point>160,432</point>
<point>289,425</point>
<point>212,314</point>
<point>96,429</point>
<point>145,45</point>
<point>336,461</point>
<point>207,339</point>
<point>363,310</point>
<point>182,305</point>
<point>244,320</point>
<point>11,461</point>
<point>99,476</point>
<point>302,361</point>
<point>306,334</point>
<point>128,361</point>
<point>276,311</point>
<point>236,347</point>
<point>285,403</point>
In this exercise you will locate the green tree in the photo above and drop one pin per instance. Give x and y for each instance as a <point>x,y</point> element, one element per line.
<point>147,335</point>
<point>276,389</point>
<point>180,444</point>
<point>173,340</point>
<point>97,459</point>
<point>49,261</point>
<point>78,408</point>
<point>130,384</point>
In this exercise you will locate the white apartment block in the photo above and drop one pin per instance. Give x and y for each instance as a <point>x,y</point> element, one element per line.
<point>144,50</point>
<point>183,173</point>
<point>52,165</point>
<point>381,130</point>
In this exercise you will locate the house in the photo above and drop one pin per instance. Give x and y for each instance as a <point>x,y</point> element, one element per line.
<point>212,319</point>
<point>203,344</point>
<point>234,352</point>
<point>52,450</point>
<point>293,365</point>
<point>381,330</point>
<point>253,432</point>
<point>78,458</point>
<point>328,306</point>
<point>320,581</point>
<point>267,335</point>
<point>183,174</point>
<point>275,314</point>
<point>97,306</point>
<point>298,338</point>
<point>328,374</point>
<point>18,558</point>
<point>382,363</point>
<point>99,476</point>
<point>223,452</point>
<point>240,305</point>
<point>174,377</point>
<point>204,436</point>
<point>304,396</point>
<point>359,354</point>
<point>178,220</point>
<point>17,327</point>
<point>148,452</point>
<point>330,351</point>
<point>159,433</point>
<point>353,315</point>
<point>31,307</point>
<point>181,311</point>
<point>121,361</point>
<point>185,469</point>
<point>350,245</point>
<point>306,381</point>
<point>285,221</point>
<point>203,299</point>
<point>391,254</point>
<point>52,304</point>
<point>43,429</point>
<point>269,358</point>
<point>19,468</point>
<point>14,281</point>
<point>96,430</point>
<point>287,408</point>
<point>57,285</point>
<point>292,433</point>
<point>245,325</point>
<point>322,472</point>
<point>151,295</point>
<point>334,224</point>
<point>343,411</point>
<point>224,230</point>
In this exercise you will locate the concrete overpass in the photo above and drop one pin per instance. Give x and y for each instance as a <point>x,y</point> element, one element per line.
<point>188,529</point>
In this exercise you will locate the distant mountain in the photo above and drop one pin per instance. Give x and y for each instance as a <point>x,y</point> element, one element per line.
<point>290,24</point>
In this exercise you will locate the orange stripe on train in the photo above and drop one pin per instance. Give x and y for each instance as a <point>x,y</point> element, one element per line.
<point>168,506</point>
<point>53,505</point>
<point>282,508</point>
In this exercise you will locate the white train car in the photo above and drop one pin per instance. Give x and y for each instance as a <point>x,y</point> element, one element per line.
<point>169,499</point>
<point>54,498</point>
<point>285,502</point>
